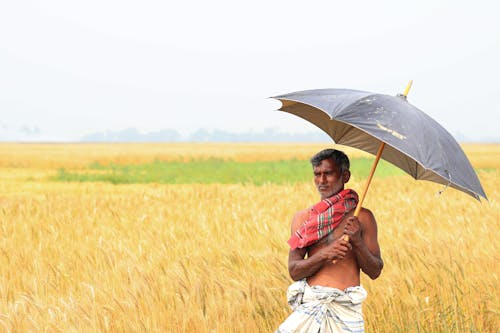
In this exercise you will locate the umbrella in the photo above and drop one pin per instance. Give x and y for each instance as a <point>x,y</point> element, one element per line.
<point>390,128</point>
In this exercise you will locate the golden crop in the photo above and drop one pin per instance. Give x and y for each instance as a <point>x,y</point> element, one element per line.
<point>96,257</point>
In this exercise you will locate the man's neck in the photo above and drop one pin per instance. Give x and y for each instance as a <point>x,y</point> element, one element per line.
<point>323,198</point>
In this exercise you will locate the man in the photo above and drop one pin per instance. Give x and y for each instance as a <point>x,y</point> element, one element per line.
<point>328,249</point>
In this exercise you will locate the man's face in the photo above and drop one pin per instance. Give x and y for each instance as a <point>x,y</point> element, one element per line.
<point>328,179</point>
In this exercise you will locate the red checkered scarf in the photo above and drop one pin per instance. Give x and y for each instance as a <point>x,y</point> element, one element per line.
<point>324,217</point>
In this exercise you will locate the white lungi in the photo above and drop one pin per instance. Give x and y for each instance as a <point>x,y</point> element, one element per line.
<point>323,309</point>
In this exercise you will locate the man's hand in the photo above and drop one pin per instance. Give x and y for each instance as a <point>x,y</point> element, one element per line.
<point>336,250</point>
<point>363,234</point>
<point>353,229</point>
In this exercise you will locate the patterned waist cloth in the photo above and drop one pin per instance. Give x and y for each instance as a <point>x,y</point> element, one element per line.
<point>324,309</point>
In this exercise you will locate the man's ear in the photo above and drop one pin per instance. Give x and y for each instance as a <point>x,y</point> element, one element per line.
<point>346,176</point>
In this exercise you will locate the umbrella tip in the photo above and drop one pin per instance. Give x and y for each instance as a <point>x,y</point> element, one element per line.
<point>407,90</point>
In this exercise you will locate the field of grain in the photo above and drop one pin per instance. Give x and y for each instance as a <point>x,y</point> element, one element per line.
<point>98,257</point>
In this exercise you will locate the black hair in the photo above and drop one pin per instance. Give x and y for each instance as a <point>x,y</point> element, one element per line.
<point>339,157</point>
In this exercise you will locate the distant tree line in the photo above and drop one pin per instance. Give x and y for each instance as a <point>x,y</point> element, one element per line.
<point>205,135</point>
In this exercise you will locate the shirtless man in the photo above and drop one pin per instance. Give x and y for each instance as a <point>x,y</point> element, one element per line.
<point>333,263</point>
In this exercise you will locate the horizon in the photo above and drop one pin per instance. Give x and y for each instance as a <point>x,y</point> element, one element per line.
<point>201,135</point>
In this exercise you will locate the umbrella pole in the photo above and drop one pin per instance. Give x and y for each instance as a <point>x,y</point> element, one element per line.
<point>363,194</point>
<point>369,180</point>
<point>372,171</point>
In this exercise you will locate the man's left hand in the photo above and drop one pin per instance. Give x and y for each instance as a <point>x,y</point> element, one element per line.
<point>352,228</point>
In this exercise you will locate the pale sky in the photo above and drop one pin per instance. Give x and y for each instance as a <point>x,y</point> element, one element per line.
<point>71,68</point>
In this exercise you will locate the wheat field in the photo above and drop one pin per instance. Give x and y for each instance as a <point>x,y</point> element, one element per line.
<point>97,257</point>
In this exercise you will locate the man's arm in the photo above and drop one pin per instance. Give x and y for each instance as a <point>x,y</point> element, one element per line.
<point>301,267</point>
<point>362,232</point>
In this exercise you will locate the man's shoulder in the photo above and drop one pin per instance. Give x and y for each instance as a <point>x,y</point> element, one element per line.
<point>366,216</point>
<point>365,212</point>
<point>302,213</point>
<point>299,218</point>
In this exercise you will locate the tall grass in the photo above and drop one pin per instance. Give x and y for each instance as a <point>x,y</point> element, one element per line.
<point>98,257</point>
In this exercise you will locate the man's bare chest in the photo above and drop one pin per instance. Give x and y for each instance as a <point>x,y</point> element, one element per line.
<point>337,233</point>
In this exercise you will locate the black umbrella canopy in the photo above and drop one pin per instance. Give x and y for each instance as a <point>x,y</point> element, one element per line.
<point>415,142</point>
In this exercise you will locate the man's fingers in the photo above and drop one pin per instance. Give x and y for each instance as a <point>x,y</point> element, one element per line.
<point>344,248</point>
<point>344,243</point>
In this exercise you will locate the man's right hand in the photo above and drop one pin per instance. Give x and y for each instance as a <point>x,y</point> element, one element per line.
<point>336,250</point>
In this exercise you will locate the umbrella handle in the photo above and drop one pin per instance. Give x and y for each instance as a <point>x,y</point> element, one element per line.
<point>368,181</point>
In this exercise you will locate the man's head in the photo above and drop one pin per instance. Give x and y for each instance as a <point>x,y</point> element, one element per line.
<point>331,171</point>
